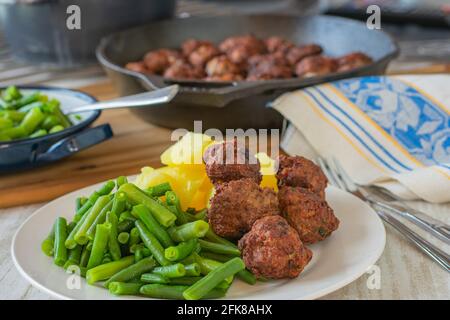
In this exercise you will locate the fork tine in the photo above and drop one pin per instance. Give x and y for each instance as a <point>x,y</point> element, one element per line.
<point>331,174</point>
<point>344,176</point>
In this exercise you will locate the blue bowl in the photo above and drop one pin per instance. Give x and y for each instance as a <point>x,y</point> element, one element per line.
<point>29,153</point>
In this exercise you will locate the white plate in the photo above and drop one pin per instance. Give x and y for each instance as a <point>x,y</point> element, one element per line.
<point>337,261</point>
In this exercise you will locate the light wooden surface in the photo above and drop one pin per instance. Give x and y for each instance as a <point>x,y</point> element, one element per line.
<point>134,145</point>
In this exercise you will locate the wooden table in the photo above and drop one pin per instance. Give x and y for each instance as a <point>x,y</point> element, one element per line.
<point>405,272</point>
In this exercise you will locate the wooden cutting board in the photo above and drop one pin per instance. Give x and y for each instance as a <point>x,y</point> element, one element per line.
<point>135,144</point>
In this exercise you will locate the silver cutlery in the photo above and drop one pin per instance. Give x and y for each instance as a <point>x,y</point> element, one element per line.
<point>339,178</point>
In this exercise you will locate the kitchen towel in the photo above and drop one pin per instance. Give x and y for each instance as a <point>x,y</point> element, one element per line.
<point>392,131</point>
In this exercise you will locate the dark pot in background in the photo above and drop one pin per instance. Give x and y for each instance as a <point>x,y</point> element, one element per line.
<point>36,29</point>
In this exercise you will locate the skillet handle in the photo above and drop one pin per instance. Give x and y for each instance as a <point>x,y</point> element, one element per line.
<point>75,143</point>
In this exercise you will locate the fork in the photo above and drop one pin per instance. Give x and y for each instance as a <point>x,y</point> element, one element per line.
<point>338,177</point>
<point>378,197</point>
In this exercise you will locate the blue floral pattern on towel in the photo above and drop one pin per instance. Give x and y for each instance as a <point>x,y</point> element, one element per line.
<point>419,125</point>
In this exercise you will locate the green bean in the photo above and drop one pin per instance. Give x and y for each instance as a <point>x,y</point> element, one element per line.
<point>113,244</point>
<point>4,137</point>
<point>56,128</point>
<point>100,244</point>
<point>50,121</point>
<point>188,231</point>
<point>181,251</point>
<point>184,281</point>
<point>121,180</point>
<point>138,255</point>
<point>154,278</point>
<point>103,191</point>
<point>11,93</point>
<point>133,271</point>
<point>38,133</point>
<point>60,253</point>
<point>152,244</point>
<point>211,236</point>
<point>246,276</point>
<point>36,104</point>
<point>15,132</point>
<point>98,220</point>
<point>106,259</point>
<point>107,188</point>
<point>74,257</point>
<point>81,236</point>
<point>85,254</point>
<point>106,271</point>
<point>206,265</point>
<point>201,215</point>
<point>25,100</point>
<point>173,200</point>
<point>79,203</point>
<point>134,237</point>
<point>219,248</point>
<point>89,245</point>
<point>123,237</point>
<point>192,270</point>
<point>171,271</point>
<point>159,190</point>
<point>212,279</point>
<point>125,226</point>
<point>136,196</point>
<point>14,116</point>
<point>122,288</point>
<point>162,291</point>
<point>119,203</point>
<point>126,215</point>
<point>32,119</point>
<point>153,226</point>
<point>47,245</point>
<point>63,119</point>
<point>215,256</point>
<point>5,124</point>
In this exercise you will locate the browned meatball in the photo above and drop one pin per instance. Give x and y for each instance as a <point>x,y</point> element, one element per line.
<point>190,45</point>
<point>273,249</point>
<point>300,172</point>
<point>352,61</point>
<point>268,67</point>
<point>295,54</point>
<point>183,70</point>
<point>159,60</point>
<point>307,213</point>
<point>315,66</point>
<point>228,161</point>
<point>277,44</point>
<point>249,41</point>
<point>236,205</point>
<point>200,56</point>
<point>220,66</point>
<point>240,54</point>
<point>137,66</point>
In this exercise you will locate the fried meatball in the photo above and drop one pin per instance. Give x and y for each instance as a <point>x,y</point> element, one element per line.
<point>295,54</point>
<point>315,66</point>
<point>228,161</point>
<point>249,41</point>
<point>277,44</point>
<point>220,66</point>
<point>183,70</point>
<point>240,54</point>
<point>352,61</point>
<point>236,205</point>
<point>137,66</point>
<point>273,249</point>
<point>300,172</point>
<point>307,213</point>
<point>190,45</point>
<point>200,56</point>
<point>159,60</point>
<point>270,67</point>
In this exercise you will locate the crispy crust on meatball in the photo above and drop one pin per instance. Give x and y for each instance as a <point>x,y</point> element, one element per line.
<point>307,213</point>
<point>274,44</point>
<point>137,66</point>
<point>273,249</point>
<point>352,61</point>
<point>236,205</point>
<point>183,70</point>
<point>221,65</point>
<point>227,161</point>
<point>295,54</point>
<point>188,46</point>
<point>315,66</point>
<point>158,61</point>
<point>301,172</point>
<point>263,67</point>
<point>200,56</point>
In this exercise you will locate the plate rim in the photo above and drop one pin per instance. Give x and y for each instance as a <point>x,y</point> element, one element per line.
<point>318,294</point>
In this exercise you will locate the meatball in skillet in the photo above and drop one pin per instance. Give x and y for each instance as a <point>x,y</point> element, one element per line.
<point>201,55</point>
<point>295,54</point>
<point>180,69</point>
<point>352,61</point>
<point>137,66</point>
<point>277,44</point>
<point>236,205</point>
<point>220,66</point>
<point>315,66</point>
<point>272,249</point>
<point>190,45</point>
<point>158,61</point>
<point>300,172</point>
<point>227,161</point>
<point>264,67</point>
<point>307,213</point>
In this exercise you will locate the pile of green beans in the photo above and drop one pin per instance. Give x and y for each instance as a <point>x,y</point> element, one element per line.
<point>29,116</point>
<point>133,241</point>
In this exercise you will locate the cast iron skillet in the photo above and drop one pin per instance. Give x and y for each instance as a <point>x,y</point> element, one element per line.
<point>29,153</point>
<point>236,104</point>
